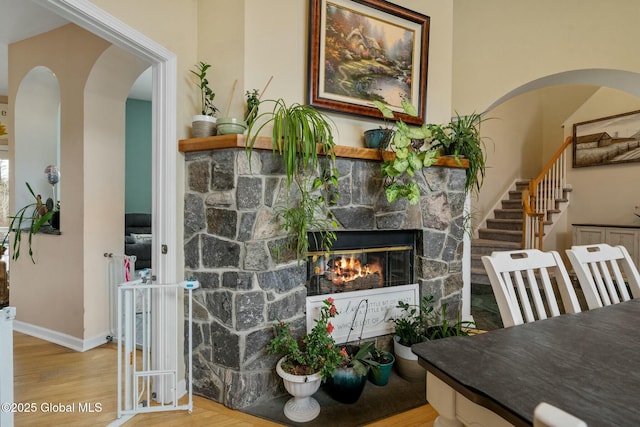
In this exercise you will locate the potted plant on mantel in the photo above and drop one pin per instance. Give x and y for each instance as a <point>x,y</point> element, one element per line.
<point>461,139</point>
<point>299,133</point>
<point>420,323</point>
<point>305,362</point>
<point>204,124</point>
<point>410,152</point>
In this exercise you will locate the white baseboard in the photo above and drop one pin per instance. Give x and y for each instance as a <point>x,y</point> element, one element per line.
<point>59,338</point>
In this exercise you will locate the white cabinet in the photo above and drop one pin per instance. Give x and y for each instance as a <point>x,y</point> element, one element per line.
<point>629,237</point>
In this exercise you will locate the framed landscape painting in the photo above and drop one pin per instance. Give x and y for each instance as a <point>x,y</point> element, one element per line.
<point>366,50</point>
<point>607,141</point>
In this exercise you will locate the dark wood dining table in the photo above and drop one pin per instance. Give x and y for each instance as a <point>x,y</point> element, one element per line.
<point>587,364</point>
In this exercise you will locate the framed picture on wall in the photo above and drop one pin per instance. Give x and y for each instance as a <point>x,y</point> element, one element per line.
<point>4,118</point>
<point>607,140</point>
<point>366,50</point>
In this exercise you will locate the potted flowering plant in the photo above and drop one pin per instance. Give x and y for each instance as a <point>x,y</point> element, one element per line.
<point>306,362</point>
<point>348,380</point>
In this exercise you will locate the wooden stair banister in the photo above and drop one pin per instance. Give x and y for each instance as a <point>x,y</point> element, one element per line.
<point>543,191</point>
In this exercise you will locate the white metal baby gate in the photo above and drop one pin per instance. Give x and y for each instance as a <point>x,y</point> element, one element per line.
<point>7,315</point>
<point>146,383</point>
<point>121,268</point>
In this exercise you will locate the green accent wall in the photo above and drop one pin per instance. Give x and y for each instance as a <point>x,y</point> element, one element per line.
<point>138,157</point>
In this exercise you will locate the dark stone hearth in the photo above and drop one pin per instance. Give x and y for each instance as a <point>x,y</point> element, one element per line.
<point>249,192</point>
<point>237,280</point>
<point>222,222</point>
<point>195,220</point>
<point>283,280</point>
<point>226,346</point>
<point>245,227</point>
<point>208,280</point>
<point>199,175</point>
<point>235,246</point>
<point>192,252</point>
<point>250,309</point>
<point>218,253</point>
<point>356,218</point>
<point>220,304</point>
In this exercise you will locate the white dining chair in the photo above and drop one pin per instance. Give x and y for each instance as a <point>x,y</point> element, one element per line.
<point>521,283</point>
<point>598,268</point>
<point>546,415</point>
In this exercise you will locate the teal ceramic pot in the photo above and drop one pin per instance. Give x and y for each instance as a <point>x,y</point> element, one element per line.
<point>345,385</point>
<point>377,138</point>
<point>380,375</point>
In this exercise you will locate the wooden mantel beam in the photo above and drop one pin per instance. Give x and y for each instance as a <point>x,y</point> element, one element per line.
<point>264,143</point>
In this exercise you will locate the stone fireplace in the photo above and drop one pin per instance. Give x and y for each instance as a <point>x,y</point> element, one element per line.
<point>233,246</point>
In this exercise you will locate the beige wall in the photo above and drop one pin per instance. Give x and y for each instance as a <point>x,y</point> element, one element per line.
<point>50,293</point>
<point>501,46</point>
<point>604,194</point>
<point>254,40</point>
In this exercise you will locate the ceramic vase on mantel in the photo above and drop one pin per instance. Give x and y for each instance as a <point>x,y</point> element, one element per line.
<point>301,407</point>
<point>203,126</point>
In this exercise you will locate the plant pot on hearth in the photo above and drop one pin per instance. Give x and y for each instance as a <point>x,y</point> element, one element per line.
<point>407,363</point>
<point>380,373</point>
<point>301,407</point>
<point>346,385</point>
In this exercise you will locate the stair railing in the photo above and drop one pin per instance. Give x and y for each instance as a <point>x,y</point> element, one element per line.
<point>541,197</point>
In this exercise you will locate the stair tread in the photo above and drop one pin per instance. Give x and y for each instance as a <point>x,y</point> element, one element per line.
<point>500,231</point>
<point>500,243</point>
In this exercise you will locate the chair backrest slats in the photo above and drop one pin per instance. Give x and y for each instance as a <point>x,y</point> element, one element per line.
<point>522,284</point>
<point>601,279</point>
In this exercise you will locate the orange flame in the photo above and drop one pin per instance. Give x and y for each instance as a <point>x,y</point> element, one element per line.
<point>346,269</point>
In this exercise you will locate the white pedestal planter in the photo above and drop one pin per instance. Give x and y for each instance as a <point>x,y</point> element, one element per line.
<point>301,407</point>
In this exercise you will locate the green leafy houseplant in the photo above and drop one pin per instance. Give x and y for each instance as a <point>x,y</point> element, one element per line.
<point>357,357</point>
<point>422,323</point>
<point>399,171</point>
<point>411,327</point>
<point>206,93</point>
<point>29,218</point>
<point>314,352</point>
<point>299,133</point>
<point>461,138</point>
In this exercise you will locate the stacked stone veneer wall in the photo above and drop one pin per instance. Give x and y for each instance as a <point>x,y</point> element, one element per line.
<point>234,246</point>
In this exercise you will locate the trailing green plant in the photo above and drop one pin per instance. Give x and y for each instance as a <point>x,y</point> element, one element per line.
<point>253,103</point>
<point>29,218</point>
<point>461,138</point>
<point>399,172</point>
<point>206,93</point>
<point>299,133</point>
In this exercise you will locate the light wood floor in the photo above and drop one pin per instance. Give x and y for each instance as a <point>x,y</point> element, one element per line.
<point>46,374</point>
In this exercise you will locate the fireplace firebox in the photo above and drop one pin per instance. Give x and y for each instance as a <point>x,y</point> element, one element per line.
<point>361,260</point>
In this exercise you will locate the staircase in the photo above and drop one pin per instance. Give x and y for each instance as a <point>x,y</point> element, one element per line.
<point>502,233</point>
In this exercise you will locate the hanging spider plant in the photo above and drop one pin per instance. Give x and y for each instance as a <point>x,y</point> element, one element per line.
<point>299,134</point>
